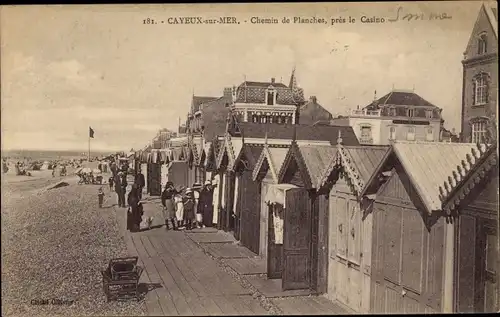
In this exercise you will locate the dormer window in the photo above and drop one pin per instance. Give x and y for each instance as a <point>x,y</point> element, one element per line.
<point>392,112</point>
<point>271,97</point>
<point>428,114</point>
<point>411,112</point>
<point>482,44</point>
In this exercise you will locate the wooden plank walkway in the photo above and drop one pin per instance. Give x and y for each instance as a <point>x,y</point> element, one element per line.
<point>247,266</point>
<point>182,279</point>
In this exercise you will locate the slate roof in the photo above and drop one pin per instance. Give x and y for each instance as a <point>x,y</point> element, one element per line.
<point>255,92</point>
<point>214,129</point>
<point>198,100</point>
<point>303,132</point>
<point>402,98</point>
<point>429,165</point>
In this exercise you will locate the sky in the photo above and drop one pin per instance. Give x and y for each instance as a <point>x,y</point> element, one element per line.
<point>65,68</point>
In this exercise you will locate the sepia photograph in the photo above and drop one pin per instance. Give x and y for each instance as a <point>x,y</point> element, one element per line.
<point>328,158</point>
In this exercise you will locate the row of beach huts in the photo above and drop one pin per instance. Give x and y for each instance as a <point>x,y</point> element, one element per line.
<point>410,227</point>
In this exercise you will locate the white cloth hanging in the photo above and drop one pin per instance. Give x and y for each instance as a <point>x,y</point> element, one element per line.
<point>235,202</point>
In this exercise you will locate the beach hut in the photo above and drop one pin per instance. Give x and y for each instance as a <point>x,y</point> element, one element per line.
<point>265,173</point>
<point>178,167</point>
<point>303,212</point>
<point>45,166</point>
<point>226,159</point>
<point>470,195</point>
<point>154,173</point>
<point>247,197</point>
<point>412,237</point>
<point>348,225</point>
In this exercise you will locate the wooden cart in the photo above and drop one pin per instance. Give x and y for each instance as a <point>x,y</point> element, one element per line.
<point>121,279</point>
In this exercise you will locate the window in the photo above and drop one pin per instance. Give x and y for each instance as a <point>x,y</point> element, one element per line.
<point>428,114</point>
<point>411,112</point>
<point>392,112</point>
<point>479,132</point>
<point>480,89</point>
<point>482,44</point>
<point>270,97</point>
<point>410,136</point>
<point>392,133</point>
<point>430,134</point>
<point>366,132</point>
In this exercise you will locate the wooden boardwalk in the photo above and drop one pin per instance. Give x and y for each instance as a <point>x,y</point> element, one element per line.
<point>181,279</point>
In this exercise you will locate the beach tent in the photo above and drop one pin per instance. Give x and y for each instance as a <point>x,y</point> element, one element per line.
<point>45,166</point>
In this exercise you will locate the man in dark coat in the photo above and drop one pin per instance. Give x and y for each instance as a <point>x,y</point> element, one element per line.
<point>140,182</point>
<point>206,203</point>
<point>119,191</point>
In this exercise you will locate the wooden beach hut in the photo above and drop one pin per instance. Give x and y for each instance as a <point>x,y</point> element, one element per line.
<point>154,173</point>
<point>470,196</point>
<point>226,159</point>
<point>348,225</point>
<point>247,197</point>
<point>304,211</point>
<point>265,173</point>
<point>412,238</point>
<point>178,167</point>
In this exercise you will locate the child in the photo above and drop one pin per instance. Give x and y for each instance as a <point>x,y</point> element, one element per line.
<point>110,182</point>
<point>179,210</point>
<point>100,195</point>
<point>189,213</point>
<point>197,208</point>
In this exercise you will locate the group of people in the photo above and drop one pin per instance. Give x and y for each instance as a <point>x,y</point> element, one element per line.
<point>188,209</point>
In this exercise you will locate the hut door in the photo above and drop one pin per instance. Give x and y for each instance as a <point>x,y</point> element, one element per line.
<point>349,252</point>
<point>477,266</point>
<point>274,251</point>
<point>249,212</point>
<point>155,179</point>
<point>297,240</point>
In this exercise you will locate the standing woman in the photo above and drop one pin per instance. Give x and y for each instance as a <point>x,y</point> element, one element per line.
<point>206,203</point>
<point>167,200</point>
<point>134,215</point>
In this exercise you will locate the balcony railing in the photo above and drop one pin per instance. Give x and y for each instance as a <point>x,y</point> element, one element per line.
<point>363,112</point>
<point>364,140</point>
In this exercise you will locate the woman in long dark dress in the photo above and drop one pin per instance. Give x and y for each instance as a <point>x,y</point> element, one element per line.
<point>134,215</point>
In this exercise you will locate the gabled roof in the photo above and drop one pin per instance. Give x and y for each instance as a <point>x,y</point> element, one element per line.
<point>401,98</point>
<point>467,175</point>
<point>312,161</point>
<point>231,147</point>
<point>198,100</point>
<point>301,132</point>
<point>359,163</point>
<point>251,152</point>
<point>427,164</point>
<point>271,158</point>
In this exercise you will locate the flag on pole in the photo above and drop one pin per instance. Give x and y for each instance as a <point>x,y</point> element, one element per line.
<point>91,133</point>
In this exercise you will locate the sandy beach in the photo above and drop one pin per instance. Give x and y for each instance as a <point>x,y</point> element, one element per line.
<point>54,244</point>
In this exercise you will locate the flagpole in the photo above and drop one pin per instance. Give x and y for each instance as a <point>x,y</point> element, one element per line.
<point>89,149</point>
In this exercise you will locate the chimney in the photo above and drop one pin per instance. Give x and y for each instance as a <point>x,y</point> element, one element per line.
<point>273,80</point>
<point>313,99</point>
